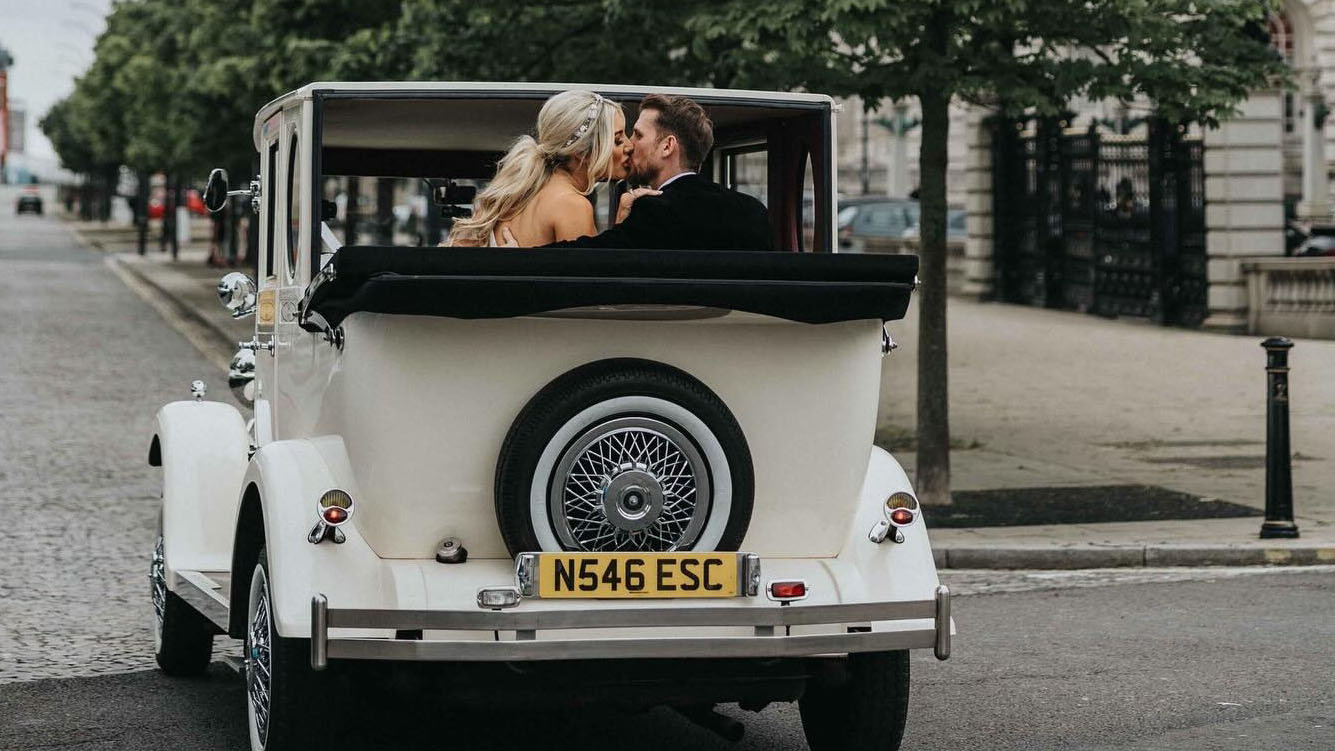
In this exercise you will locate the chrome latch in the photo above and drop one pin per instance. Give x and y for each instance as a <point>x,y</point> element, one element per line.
<point>888,344</point>
<point>255,344</point>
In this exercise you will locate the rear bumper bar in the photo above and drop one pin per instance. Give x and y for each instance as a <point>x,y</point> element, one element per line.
<point>770,638</point>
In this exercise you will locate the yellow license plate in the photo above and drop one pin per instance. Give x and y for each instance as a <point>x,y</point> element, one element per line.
<point>656,575</point>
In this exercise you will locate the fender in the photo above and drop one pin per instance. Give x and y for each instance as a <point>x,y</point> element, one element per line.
<point>201,447</point>
<point>888,570</point>
<point>288,478</point>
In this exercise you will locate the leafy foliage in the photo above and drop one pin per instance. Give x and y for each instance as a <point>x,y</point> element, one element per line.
<point>175,83</point>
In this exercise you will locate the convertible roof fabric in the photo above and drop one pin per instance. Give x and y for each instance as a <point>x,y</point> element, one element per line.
<point>507,282</point>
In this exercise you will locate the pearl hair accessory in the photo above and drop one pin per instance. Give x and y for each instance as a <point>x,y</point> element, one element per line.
<point>588,121</point>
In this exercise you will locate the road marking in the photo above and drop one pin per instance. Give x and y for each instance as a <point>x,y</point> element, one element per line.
<point>201,337</point>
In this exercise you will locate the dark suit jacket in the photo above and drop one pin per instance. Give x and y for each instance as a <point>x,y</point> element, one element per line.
<point>691,214</point>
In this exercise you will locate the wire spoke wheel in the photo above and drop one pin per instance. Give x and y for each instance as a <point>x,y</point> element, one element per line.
<point>630,484</point>
<point>157,576</point>
<point>259,656</point>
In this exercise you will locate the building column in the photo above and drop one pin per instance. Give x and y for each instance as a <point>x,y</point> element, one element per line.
<point>1244,202</point>
<point>978,282</point>
<point>1315,206</point>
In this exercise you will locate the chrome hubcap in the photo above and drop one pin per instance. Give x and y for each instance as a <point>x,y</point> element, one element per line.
<point>157,576</point>
<point>259,659</point>
<point>630,484</point>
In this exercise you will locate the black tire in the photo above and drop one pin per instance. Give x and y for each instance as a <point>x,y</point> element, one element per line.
<point>291,688</point>
<point>868,712</point>
<point>662,393</point>
<point>183,639</point>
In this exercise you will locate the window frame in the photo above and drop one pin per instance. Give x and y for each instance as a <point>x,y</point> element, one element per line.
<point>293,228</point>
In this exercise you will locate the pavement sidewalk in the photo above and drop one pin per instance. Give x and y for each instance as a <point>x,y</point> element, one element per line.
<point>1044,399</point>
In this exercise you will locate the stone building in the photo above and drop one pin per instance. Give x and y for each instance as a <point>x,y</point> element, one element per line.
<point>1265,171</point>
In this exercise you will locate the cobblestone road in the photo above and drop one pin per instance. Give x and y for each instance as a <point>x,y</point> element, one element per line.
<point>84,364</point>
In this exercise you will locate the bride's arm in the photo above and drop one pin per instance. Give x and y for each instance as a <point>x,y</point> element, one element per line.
<point>572,217</point>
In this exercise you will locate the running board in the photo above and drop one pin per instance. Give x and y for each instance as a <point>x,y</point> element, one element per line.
<point>206,592</point>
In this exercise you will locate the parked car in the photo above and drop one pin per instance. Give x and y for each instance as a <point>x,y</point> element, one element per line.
<point>956,226</point>
<point>29,201</point>
<point>1317,245</point>
<point>875,223</point>
<point>553,467</point>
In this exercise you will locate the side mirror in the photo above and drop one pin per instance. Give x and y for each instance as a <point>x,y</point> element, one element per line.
<point>237,293</point>
<point>241,376</point>
<point>215,195</point>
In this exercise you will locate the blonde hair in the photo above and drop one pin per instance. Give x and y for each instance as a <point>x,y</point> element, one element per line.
<point>571,125</point>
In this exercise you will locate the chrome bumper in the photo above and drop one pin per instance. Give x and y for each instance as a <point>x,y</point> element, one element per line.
<point>770,639</point>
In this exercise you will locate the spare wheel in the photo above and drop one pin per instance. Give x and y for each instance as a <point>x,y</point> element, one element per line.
<point>624,455</point>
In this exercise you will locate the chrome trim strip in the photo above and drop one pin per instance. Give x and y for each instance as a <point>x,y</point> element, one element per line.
<point>577,649</point>
<point>942,646</point>
<point>519,620</point>
<point>203,594</point>
<point>319,632</point>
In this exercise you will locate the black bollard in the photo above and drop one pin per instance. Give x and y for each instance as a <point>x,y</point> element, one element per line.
<point>1278,477</point>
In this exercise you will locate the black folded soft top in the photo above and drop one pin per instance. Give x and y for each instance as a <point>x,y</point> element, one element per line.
<point>507,282</point>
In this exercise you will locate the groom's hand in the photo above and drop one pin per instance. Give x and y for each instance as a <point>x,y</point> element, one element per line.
<point>628,199</point>
<point>508,239</point>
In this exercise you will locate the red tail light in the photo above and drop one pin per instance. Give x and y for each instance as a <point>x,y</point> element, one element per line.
<point>787,590</point>
<point>334,515</point>
<point>901,517</point>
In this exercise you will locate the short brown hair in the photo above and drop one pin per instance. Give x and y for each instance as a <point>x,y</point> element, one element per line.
<point>687,121</point>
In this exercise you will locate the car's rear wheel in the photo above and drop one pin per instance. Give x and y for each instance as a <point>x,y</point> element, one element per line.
<point>624,455</point>
<point>278,674</point>
<point>869,711</point>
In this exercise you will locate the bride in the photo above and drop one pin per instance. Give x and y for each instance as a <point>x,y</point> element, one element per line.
<point>539,194</point>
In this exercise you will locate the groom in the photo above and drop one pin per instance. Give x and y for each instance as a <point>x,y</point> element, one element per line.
<point>683,210</point>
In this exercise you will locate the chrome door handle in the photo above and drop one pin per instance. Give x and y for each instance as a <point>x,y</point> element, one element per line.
<point>255,344</point>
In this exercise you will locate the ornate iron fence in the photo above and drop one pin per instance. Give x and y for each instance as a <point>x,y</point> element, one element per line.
<point>1107,224</point>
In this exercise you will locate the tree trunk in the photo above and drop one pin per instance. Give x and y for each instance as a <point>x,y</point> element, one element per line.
<point>384,211</point>
<point>174,240</point>
<point>933,478</point>
<point>141,209</point>
<point>166,212</point>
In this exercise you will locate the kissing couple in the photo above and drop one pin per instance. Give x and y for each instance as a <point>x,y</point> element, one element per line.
<point>539,196</point>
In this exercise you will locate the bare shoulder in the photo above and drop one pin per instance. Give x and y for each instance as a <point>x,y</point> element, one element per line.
<point>566,200</point>
<point>568,214</point>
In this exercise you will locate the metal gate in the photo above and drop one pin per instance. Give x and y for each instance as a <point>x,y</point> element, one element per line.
<point>1106,224</point>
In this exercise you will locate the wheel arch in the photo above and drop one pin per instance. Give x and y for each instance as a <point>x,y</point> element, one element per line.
<point>246,544</point>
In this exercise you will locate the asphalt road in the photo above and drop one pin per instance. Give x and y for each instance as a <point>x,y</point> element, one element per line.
<point>1232,662</point>
<point>1103,660</point>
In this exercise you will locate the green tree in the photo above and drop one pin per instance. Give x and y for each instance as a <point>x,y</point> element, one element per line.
<point>1194,61</point>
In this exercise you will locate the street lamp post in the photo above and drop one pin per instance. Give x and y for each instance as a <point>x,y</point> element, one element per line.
<point>6,60</point>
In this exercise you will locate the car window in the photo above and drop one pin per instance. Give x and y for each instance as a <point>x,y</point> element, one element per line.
<point>293,208</point>
<point>748,172</point>
<point>272,207</point>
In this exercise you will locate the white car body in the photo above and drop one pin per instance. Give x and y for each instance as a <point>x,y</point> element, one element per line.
<point>408,413</point>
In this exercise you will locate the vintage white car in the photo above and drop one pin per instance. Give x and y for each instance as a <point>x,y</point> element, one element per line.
<point>657,461</point>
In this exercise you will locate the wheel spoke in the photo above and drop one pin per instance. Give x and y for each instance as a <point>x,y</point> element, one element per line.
<point>670,472</point>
